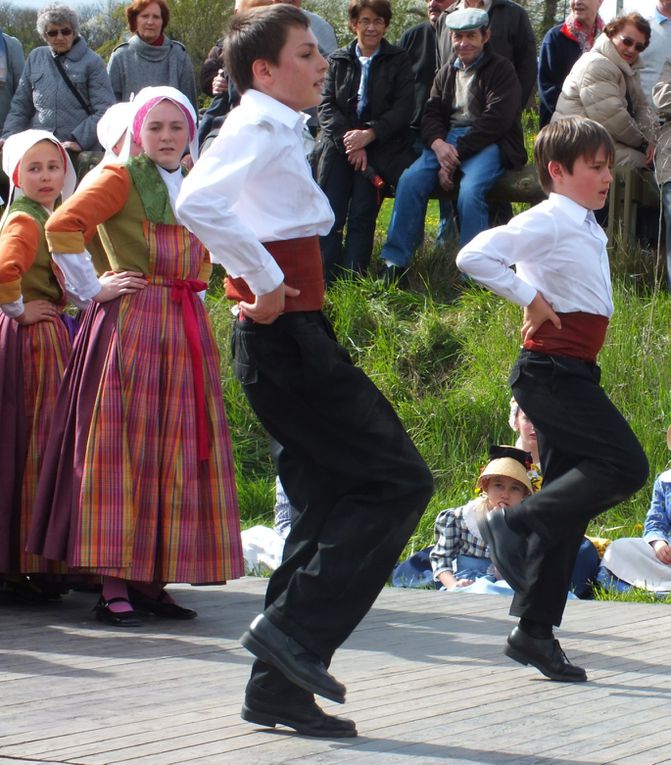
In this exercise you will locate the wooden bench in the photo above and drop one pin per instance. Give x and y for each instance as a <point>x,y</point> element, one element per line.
<point>631,189</point>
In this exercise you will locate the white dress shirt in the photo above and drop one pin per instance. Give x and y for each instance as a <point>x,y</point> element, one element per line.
<point>558,249</point>
<point>254,185</point>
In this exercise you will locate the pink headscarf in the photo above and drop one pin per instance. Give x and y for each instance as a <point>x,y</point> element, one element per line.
<point>145,101</point>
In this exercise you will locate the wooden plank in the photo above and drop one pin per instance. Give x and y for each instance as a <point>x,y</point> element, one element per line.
<point>425,672</point>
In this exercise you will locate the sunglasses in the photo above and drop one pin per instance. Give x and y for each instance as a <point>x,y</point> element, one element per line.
<point>55,32</point>
<point>628,42</point>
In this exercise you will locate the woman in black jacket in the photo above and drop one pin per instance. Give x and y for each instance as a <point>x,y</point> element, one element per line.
<point>365,113</point>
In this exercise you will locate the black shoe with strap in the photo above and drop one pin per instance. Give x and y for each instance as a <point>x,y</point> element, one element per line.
<point>158,605</point>
<point>545,654</point>
<point>118,618</point>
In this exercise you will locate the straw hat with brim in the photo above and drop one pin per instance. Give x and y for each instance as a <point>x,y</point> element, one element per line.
<point>508,467</point>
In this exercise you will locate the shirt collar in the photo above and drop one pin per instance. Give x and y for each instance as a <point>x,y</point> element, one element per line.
<point>266,106</point>
<point>660,18</point>
<point>458,64</point>
<point>576,212</point>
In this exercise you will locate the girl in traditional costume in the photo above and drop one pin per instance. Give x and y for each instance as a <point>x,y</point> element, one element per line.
<point>35,343</point>
<point>138,483</point>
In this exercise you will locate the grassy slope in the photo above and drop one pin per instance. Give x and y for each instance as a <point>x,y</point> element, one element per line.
<point>442,356</point>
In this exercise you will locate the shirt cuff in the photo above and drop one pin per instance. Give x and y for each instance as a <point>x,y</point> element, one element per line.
<point>265,279</point>
<point>81,280</point>
<point>14,309</point>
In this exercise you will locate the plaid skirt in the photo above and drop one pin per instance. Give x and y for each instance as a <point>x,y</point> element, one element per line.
<point>32,360</point>
<point>126,489</point>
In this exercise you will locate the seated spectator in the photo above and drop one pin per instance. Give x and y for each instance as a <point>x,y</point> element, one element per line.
<point>604,86</point>
<point>64,87</point>
<point>646,562</point>
<point>562,46</point>
<point>460,555</point>
<point>471,131</point>
<point>364,116</point>
<point>416,570</point>
<point>512,37</point>
<point>661,97</point>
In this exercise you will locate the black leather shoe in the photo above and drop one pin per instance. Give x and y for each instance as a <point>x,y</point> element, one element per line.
<point>544,654</point>
<point>117,618</point>
<point>506,548</point>
<point>158,606</point>
<point>261,707</point>
<point>302,667</point>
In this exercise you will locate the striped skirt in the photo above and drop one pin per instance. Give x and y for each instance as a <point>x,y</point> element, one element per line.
<point>32,361</point>
<point>128,491</point>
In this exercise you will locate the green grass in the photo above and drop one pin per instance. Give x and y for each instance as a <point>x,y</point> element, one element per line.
<point>441,354</point>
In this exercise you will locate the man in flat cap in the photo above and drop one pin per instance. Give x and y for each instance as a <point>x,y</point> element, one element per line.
<point>471,131</point>
<point>512,37</point>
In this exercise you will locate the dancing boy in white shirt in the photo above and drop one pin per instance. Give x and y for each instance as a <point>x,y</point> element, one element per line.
<point>591,459</point>
<point>349,468</point>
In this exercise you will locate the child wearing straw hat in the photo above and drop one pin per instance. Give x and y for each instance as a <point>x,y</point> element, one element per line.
<point>460,555</point>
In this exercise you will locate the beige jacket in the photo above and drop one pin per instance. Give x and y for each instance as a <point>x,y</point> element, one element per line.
<point>661,98</point>
<point>597,87</point>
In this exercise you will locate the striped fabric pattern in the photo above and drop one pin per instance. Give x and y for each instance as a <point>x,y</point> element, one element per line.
<point>42,350</point>
<point>148,510</point>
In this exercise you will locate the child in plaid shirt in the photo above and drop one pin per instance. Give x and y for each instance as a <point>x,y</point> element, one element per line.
<point>504,482</point>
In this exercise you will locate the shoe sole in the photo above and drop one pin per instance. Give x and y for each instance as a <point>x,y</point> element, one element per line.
<point>520,658</point>
<point>510,576</point>
<point>270,721</point>
<point>254,646</point>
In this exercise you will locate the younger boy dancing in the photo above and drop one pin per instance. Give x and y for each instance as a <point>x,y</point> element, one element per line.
<point>349,468</point>
<point>591,459</point>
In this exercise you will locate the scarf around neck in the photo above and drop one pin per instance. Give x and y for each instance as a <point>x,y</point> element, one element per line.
<point>577,31</point>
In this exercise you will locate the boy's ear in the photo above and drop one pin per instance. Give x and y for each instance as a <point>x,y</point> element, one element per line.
<point>556,170</point>
<point>261,71</point>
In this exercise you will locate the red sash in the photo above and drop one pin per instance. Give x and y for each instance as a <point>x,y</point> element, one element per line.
<point>301,263</point>
<point>582,335</point>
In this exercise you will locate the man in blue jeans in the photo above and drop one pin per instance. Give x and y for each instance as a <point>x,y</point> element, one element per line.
<point>471,131</point>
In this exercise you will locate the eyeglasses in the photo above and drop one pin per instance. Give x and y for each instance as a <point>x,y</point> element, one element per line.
<point>375,23</point>
<point>628,42</point>
<point>55,32</point>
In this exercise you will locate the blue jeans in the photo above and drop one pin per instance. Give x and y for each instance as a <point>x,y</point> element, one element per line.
<point>478,174</point>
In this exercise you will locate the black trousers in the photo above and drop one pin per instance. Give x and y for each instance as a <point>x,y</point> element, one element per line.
<point>353,475</point>
<point>591,461</point>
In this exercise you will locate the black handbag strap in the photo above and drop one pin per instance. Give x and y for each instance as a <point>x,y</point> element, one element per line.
<point>69,83</point>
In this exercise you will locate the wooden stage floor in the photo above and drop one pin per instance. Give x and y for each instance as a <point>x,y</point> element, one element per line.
<point>427,683</point>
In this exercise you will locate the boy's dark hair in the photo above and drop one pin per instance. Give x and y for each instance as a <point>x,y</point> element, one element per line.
<point>380,8</point>
<point>258,34</point>
<point>566,140</point>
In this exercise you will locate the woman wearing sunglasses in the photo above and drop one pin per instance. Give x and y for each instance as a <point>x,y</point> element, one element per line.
<point>64,87</point>
<point>604,86</point>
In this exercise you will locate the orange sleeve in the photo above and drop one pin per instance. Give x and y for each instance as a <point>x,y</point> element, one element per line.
<point>76,220</point>
<point>19,241</point>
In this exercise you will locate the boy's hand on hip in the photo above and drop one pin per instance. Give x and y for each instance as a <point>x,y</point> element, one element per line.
<point>535,315</point>
<point>266,308</point>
